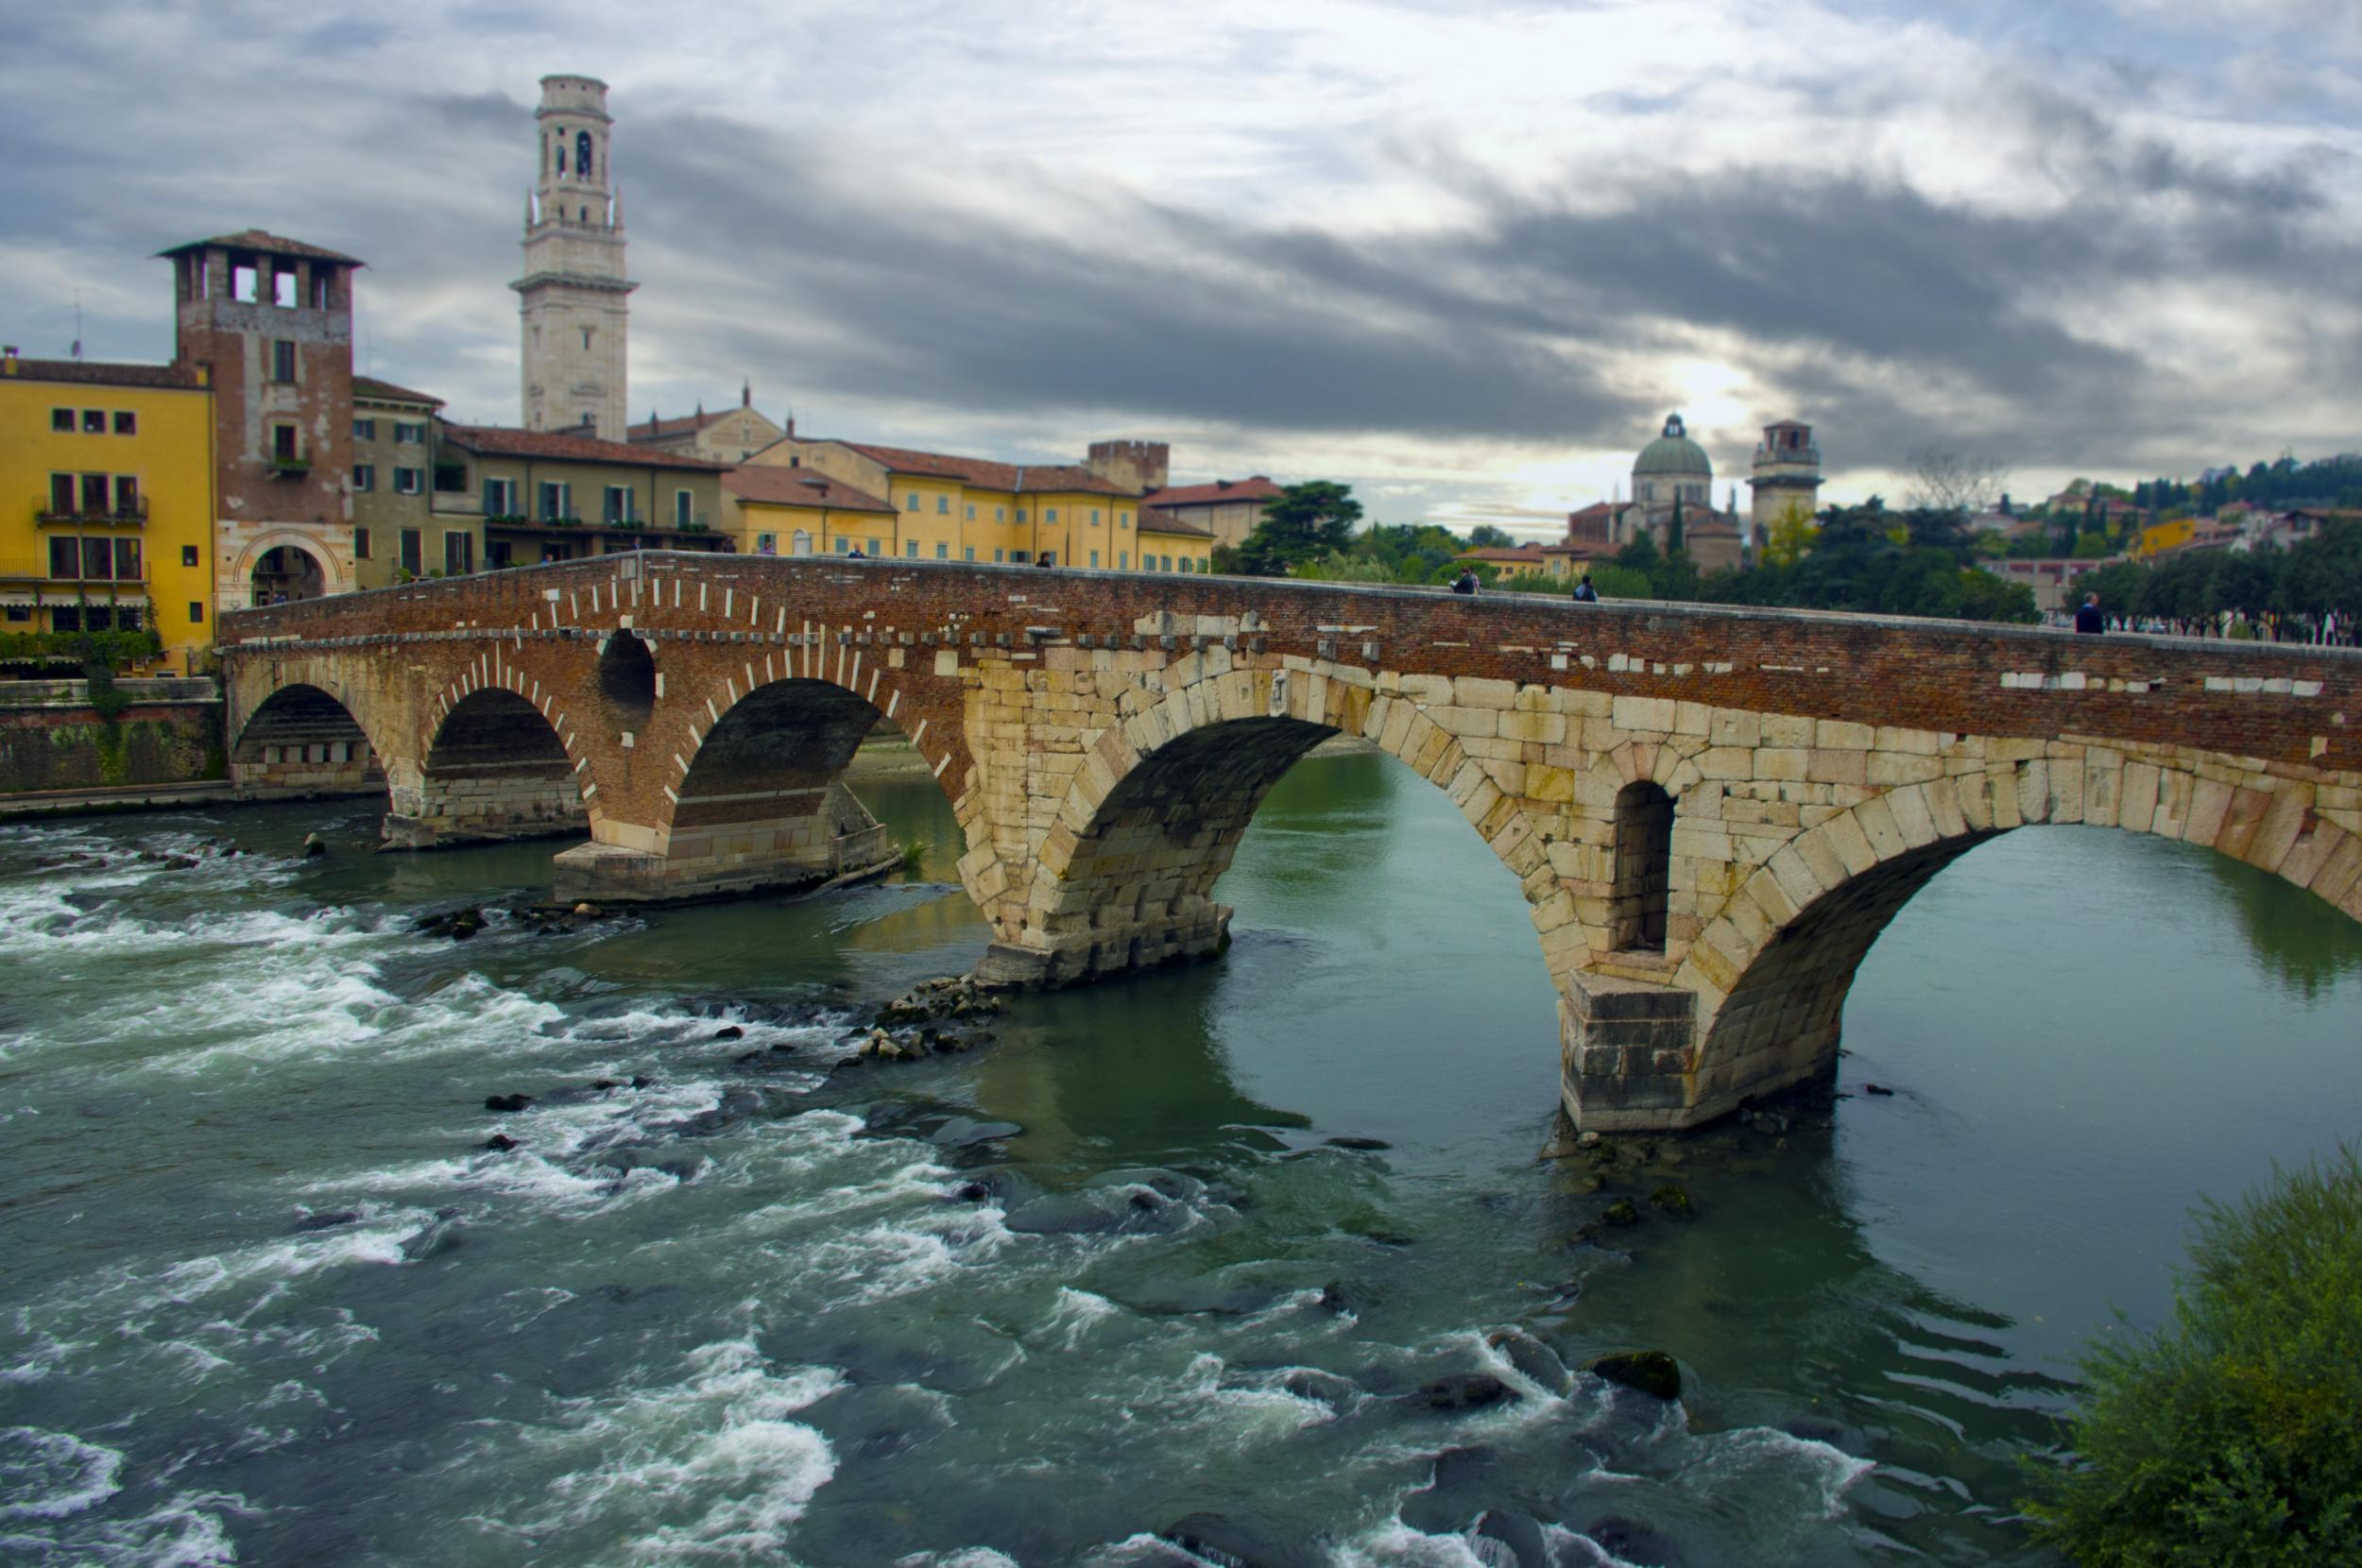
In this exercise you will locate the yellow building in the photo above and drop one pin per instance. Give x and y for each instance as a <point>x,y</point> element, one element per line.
<point>774,511</point>
<point>2158,537</point>
<point>110,467</point>
<point>940,507</point>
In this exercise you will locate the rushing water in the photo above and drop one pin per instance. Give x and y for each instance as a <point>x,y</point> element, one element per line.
<point>267,1297</point>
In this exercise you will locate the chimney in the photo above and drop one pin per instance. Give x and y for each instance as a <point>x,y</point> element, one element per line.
<point>747,394</point>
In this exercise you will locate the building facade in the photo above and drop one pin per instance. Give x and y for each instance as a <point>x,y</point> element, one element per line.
<point>524,497</point>
<point>1226,510</point>
<point>269,322</point>
<point>573,297</point>
<point>949,508</point>
<point>112,473</point>
<point>733,436</point>
<point>774,511</point>
<point>394,476</point>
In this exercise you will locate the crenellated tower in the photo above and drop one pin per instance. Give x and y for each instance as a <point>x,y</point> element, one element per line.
<point>575,299</point>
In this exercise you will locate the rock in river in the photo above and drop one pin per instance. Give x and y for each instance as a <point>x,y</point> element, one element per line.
<point>1651,1372</point>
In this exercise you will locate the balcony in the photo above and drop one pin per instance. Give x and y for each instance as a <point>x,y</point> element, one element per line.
<point>285,466</point>
<point>20,573</point>
<point>130,512</point>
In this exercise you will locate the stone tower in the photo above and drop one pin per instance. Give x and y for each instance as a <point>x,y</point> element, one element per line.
<point>270,322</point>
<point>575,295</point>
<point>1787,468</point>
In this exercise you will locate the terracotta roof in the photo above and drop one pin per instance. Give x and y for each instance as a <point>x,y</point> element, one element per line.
<point>104,375</point>
<point>1523,554</point>
<point>1257,488</point>
<point>774,486</point>
<point>502,441</point>
<point>1588,550</point>
<point>386,391</point>
<point>255,239</point>
<point>1155,521</point>
<point>985,474</point>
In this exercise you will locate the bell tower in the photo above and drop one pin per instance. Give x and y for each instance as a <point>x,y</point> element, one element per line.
<point>575,299</point>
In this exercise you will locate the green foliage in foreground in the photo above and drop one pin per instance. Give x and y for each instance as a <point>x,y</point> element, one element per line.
<point>2233,1436</point>
<point>113,650</point>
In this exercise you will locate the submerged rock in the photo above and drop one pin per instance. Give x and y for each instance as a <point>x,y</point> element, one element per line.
<point>1535,1361</point>
<point>1466,1391</point>
<point>1674,1200</point>
<point>729,1032</point>
<point>1650,1371</point>
<point>328,1221</point>
<point>314,845</point>
<point>1243,1543</point>
<point>1521,1534</point>
<point>501,1142</point>
<point>1620,1213</point>
<point>506,1103</point>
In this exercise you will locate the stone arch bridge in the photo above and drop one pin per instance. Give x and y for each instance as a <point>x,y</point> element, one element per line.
<point>1711,812</point>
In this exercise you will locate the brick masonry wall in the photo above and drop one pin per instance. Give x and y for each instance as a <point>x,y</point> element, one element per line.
<point>1105,737</point>
<point>44,747</point>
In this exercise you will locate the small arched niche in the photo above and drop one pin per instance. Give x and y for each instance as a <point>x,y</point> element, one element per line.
<point>627,681</point>
<point>1644,860</point>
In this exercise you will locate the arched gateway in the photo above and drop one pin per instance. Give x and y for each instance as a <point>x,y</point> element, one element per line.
<point>1711,812</point>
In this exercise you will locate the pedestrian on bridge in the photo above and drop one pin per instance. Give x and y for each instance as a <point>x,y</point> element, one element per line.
<point>2088,617</point>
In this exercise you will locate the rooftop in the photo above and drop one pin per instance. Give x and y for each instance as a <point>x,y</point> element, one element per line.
<point>1259,487</point>
<point>502,441</point>
<point>1154,520</point>
<point>776,486</point>
<point>984,473</point>
<point>256,239</point>
<point>386,392</point>
<point>95,374</point>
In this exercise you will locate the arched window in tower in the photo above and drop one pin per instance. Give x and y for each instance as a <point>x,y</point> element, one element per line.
<point>1644,860</point>
<point>582,153</point>
<point>561,149</point>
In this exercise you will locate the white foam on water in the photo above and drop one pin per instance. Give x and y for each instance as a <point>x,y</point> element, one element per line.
<point>1395,1545</point>
<point>964,1557</point>
<point>1765,1461</point>
<point>1252,1409</point>
<point>707,1469</point>
<point>374,1240</point>
<point>1074,1313</point>
<point>54,1475</point>
<point>885,1261</point>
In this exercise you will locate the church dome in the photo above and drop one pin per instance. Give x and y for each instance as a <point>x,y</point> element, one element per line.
<point>1673,452</point>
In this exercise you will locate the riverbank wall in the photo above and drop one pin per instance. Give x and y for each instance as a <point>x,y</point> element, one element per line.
<point>160,736</point>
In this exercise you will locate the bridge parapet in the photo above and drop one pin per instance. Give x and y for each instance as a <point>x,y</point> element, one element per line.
<point>1709,812</point>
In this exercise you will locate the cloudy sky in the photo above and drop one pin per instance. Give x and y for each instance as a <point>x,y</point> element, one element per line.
<point>1465,255</point>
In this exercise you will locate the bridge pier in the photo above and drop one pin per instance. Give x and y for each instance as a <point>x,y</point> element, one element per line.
<point>784,839</point>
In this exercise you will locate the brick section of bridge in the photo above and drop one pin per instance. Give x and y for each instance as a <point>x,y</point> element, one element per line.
<point>1105,738</point>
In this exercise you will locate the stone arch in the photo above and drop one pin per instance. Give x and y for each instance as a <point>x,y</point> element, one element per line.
<point>1643,868</point>
<point>495,767</point>
<point>1125,875</point>
<point>760,799</point>
<point>335,574</point>
<point>1772,970</point>
<point>303,738</point>
<point>628,682</point>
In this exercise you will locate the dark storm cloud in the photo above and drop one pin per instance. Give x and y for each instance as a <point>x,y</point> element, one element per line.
<point>1856,293</point>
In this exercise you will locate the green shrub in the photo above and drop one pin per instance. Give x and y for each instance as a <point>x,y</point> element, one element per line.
<point>2233,1435</point>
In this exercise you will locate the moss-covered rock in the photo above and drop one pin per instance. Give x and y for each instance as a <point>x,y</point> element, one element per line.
<point>1650,1371</point>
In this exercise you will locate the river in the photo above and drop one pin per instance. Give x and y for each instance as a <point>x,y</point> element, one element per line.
<point>267,1297</point>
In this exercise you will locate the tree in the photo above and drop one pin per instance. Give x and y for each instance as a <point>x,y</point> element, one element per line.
<point>2233,1434</point>
<point>1941,480</point>
<point>1485,537</point>
<point>1305,522</point>
<point>1790,535</point>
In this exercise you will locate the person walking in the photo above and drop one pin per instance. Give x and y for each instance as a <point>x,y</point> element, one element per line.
<point>2088,617</point>
<point>1584,593</point>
